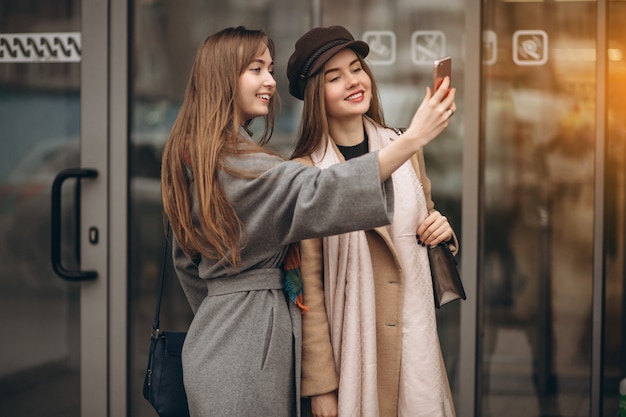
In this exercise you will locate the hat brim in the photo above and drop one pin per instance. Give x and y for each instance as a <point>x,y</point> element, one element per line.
<point>359,47</point>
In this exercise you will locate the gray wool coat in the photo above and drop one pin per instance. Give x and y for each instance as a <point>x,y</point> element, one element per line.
<point>241,356</point>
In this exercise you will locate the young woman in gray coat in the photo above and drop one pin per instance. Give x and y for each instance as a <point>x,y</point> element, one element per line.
<point>235,209</point>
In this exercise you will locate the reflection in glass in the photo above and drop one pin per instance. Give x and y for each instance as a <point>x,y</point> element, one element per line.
<point>539,92</point>
<point>615,210</point>
<point>39,129</point>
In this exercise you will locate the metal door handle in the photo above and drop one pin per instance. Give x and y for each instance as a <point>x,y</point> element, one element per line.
<point>55,246</point>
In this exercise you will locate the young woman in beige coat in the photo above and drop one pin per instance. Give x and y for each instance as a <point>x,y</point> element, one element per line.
<point>370,343</point>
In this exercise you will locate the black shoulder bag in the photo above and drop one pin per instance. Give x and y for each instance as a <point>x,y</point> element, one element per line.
<point>447,285</point>
<point>163,384</point>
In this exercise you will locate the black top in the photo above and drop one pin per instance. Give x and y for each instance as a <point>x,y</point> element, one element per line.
<point>350,152</point>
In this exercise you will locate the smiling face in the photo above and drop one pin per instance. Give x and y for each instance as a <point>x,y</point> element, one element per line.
<point>347,87</point>
<point>256,87</point>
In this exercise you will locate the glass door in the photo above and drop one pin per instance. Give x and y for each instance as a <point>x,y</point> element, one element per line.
<point>614,340</point>
<point>540,120</point>
<point>40,119</point>
<point>552,256</point>
<point>55,329</point>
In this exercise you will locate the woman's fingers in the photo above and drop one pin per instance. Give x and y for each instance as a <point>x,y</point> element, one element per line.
<point>433,114</point>
<point>434,229</point>
<point>443,90</point>
<point>444,98</point>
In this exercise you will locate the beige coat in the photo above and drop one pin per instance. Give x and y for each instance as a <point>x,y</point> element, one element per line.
<point>319,375</point>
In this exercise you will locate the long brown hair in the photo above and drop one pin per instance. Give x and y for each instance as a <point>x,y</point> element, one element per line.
<point>314,124</point>
<point>204,131</point>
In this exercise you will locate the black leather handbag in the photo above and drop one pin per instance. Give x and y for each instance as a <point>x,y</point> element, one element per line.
<point>163,384</point>
<point>447,285</point>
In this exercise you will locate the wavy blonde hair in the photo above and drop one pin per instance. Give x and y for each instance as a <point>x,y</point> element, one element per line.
<point>204,131</point>
<point>314,123</point>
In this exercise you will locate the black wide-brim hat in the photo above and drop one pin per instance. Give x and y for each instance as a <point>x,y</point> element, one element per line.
<point>313,50</point>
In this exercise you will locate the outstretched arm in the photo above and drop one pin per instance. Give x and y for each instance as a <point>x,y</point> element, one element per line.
<point>430,119</point>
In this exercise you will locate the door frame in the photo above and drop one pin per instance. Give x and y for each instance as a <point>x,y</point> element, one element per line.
<point>471,221</point>
<point>104,140</point>
<point>596,406</point>
<point>119,41</point>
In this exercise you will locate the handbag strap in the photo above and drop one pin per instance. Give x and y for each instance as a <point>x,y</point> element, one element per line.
<point>157,312</point>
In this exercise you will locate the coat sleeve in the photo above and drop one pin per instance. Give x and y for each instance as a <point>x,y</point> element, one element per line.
<point>290,202</point>
<point>319,375</point>
<point>342,198</point>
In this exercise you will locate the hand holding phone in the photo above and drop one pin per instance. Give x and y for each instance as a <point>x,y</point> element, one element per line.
<point>442,68</point>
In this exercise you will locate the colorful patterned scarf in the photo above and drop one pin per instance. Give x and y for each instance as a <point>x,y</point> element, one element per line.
<point>293,278</point>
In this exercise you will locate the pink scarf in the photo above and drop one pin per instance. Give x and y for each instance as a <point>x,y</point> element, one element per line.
<point>351,308</point>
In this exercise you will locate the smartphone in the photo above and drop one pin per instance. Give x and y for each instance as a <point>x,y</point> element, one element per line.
<point>442,68</point>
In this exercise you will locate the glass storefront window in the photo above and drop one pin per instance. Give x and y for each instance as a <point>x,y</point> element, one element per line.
<point>39,136</point>
<point>614,352</point>
<point>538,149</point>
<point>539,86</point>
<point>539,110</point>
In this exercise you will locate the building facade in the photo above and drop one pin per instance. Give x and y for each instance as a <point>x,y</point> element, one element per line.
<point>531,173</point>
